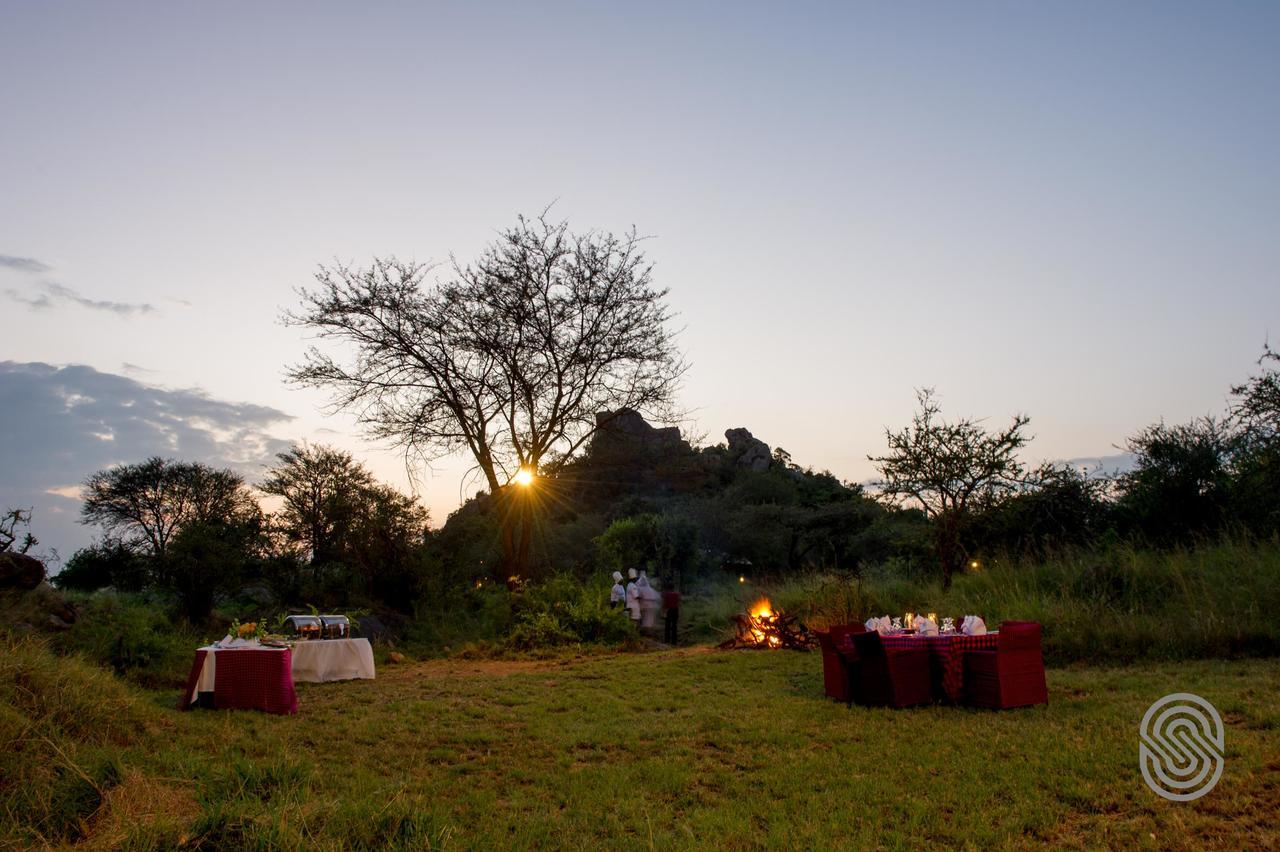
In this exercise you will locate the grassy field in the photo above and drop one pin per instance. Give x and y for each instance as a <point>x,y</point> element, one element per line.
<point>682,748</point>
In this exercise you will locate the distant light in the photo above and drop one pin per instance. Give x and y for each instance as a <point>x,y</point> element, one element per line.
<point>742,579</point>
<point>524,477</point>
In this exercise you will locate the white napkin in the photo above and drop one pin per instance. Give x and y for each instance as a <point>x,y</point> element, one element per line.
<point>229,642</point>
<point>871,624</point>
<point>925,627</point>
<point>973,626</point>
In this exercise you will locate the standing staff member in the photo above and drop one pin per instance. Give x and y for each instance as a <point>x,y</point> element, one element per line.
<point>633,596</point>
<point>617,594</point>
<point>671,603</point>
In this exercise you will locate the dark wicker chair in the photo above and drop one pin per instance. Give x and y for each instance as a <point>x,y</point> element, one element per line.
<point>888,677</point>
<point>835,672</point>
<point>1010,676</point>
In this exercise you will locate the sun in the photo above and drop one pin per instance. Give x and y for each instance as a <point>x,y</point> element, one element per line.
<point>524,477</point>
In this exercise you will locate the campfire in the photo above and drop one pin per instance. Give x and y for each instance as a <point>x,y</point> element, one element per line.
<point>763,628</point>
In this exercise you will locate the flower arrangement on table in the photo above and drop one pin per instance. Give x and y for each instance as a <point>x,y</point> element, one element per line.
<point>249,631</point>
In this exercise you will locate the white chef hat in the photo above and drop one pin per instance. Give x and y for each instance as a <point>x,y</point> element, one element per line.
<point>617,576</point>
<point>631,572</point>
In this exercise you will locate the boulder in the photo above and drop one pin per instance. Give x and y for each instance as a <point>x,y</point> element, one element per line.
<point>746,450</point>
<point>395,657</point>
<point>372,628</point>
<point>19,571</point>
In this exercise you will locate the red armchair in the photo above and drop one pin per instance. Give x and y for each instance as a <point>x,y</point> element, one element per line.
<point>835,677</point>
<point>893,677</point>
<point>1010,676</point>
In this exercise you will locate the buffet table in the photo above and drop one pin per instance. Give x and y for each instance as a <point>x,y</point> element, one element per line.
<point>323,660</point>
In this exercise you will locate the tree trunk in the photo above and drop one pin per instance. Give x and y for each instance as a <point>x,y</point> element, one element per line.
<point>515,520</point>
<point>948,544</point>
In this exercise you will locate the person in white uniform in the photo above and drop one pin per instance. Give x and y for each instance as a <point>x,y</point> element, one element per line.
<point>650,602</point>
<point>618,593</point>
<point>633,596</point>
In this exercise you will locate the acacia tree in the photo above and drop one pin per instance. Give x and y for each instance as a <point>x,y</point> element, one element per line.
<point>950,470</point>
<point>146,504</point>
<point>508,360</point>
<point>322,489</point>
<point>1255,407</point>
<point>197,524</point>
<point>15,531</point>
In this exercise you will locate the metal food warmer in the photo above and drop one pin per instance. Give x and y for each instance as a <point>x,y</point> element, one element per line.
<point>335,627</point>
<point>304,626</point>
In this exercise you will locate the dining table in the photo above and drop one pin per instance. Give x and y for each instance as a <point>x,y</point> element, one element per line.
<point>244,677</point>
<point>946,655</point>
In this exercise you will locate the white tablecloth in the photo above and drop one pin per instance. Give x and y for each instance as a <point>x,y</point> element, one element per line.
<point>322,660</point>
<point>314,661</point>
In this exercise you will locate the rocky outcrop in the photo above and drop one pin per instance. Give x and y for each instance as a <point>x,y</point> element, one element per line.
<point>27,602</point>
<point>627,428</point>
<point>746,450</point>
<point>628,425</point>
<point>19,571</point>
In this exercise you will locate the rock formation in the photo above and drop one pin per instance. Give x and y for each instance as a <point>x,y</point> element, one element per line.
<point>627,427</point>
<point>746,450</point>
<point>27,602</point>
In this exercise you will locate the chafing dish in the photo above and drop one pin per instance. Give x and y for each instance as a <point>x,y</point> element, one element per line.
<point>335,627</point>
<point>304,626</point>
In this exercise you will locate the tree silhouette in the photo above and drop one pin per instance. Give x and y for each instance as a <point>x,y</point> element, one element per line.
<point>509,360</point>
<point>950,470</point>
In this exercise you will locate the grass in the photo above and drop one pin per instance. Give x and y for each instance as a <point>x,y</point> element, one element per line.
<point>672,749</point>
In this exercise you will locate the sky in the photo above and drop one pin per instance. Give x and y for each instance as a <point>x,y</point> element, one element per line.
<point>1070,210</point>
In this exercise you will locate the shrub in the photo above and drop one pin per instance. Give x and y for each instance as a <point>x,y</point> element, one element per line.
<point>134,638</point>
<point>563,611</point>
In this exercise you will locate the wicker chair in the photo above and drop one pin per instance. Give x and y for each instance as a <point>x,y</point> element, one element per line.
<point>892,677</point>
<point>1010,676</point>
<point>835,675</point>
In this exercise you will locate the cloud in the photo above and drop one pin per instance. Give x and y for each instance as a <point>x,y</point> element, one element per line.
<point>61,424</point>
<point>1111,465</point>
<point>23,264</point>
<point>52,294</point>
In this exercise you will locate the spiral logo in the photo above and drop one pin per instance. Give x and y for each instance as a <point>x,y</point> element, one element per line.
<point>1180,747</point>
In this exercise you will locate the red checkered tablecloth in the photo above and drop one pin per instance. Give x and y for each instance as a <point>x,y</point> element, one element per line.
<point>245,679</point>
<point>946,652</point>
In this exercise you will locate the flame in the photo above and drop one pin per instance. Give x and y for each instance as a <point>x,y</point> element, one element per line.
<point>762,609</point>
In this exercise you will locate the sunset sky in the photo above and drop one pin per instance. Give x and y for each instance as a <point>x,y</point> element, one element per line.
<point>1070,210</point>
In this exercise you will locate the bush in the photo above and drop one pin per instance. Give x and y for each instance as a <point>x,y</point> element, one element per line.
<point>563,611</point>
<point>134,638</point>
